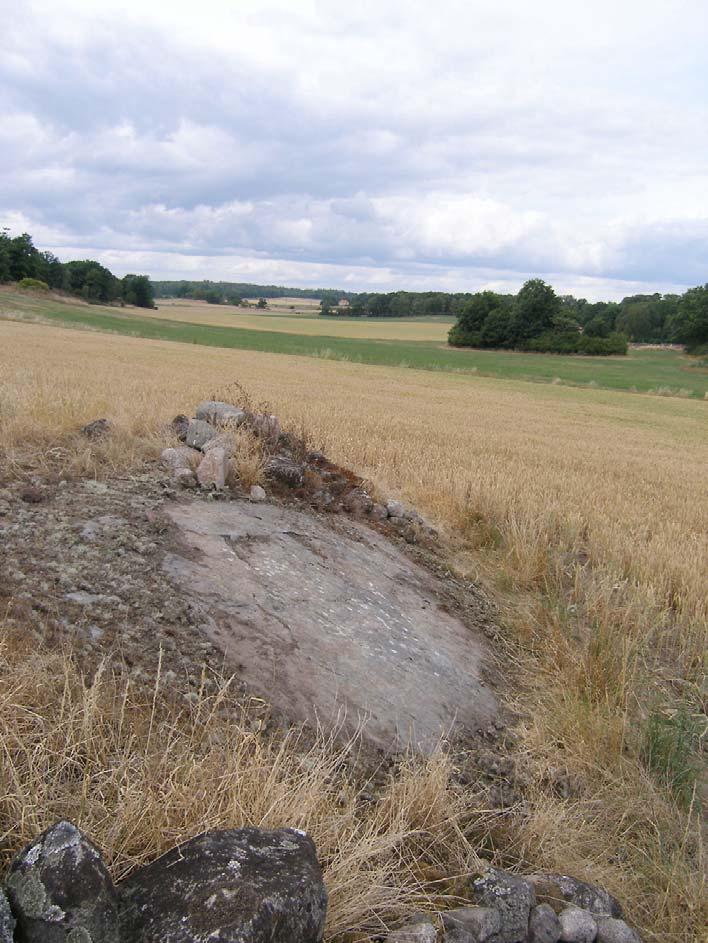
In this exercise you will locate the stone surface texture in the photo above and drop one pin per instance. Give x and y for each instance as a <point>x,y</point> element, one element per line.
<point>577,925</point>
<point>199,433</point>
<point>220,414</point>
<point>561,889</point>
<point>544,926</point>
<point>611,930</point>
<point>180,457</point>
<point>236,886</point>
<point>213,469</point>
<point>7,921</point>
<point>472,924</point>
<point>422,931</point>
<point>285,469</point>
<point>511,895</point>
<point>60,890</point>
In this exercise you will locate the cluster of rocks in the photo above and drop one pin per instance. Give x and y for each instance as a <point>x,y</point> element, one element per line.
<point>205,460</point>
<point>251,885</point>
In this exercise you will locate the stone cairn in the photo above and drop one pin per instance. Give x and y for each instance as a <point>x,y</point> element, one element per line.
<point>250,885</point>
<point>206,461</point>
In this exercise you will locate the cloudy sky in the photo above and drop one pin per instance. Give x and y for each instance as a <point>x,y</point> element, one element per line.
<point>442,144</point>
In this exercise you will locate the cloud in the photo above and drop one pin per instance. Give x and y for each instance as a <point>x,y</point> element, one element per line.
<point>374,145</point>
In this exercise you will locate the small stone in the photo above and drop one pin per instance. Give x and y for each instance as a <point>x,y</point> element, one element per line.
<point>421,931</point>
<point>180,457</point>
<point>471,924</point>
<point>611,930</point>
<point>60,890</point>
<point>220,414</point>
<point>257,494</point>
<point>213,469</point>
<point>7,921</point>
<point>544,926</point>
<point>377,512</point>
<point>199,433</point>
<point>560,889</point>
<point>395,509</point>
<point>98,429</point>
<point>511,895</point>
<point>577,925</point>
<point>247,884</point>
<point>185,478</point>
<point>285,469</point>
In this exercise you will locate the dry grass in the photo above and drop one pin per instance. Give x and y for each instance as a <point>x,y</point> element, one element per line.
<point>583,510</point>
<point>140,772</point>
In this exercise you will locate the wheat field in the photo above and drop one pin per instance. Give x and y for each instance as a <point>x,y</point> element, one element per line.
<point>583,512</point>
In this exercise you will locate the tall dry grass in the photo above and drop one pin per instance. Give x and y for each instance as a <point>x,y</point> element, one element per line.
<point>141,772</point>
<point>583,511</point>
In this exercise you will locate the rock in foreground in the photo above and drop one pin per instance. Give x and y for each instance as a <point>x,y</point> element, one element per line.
<point>245,885</point>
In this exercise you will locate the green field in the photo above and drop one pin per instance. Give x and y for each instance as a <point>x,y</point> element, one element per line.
<point>664,372</point>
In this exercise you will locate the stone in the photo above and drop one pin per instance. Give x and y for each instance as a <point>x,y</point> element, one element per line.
<point>357,501</point>
<point>611,930</point>
<point>285,469</point>
<point>180,457</point>
<point>213,469</point>
<point>247,885</point>
<point>544,926</point>
<point>257,494</point>
<point>508,893</point>
<point>577,925</point>
<point>179,426</point>
<point>472,924</point>
<point>199,433</point>
<point>395,509</point>
<point>422,931</point>
<point>220,414</point>
<point>7,921</point>
<point>98,429</point>
<point>221,441</point>
<point>266,427</point>
<point>185,478</point>
<point>60,890</point>
<point>377,512</point>
<point>561,889</point>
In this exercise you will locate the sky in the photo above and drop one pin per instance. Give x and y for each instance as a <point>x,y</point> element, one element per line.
<point>375,145</point>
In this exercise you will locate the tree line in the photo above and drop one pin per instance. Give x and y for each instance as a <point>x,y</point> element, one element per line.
<point>236,292</point>
<point>21,261</point>
<point>538,319</point>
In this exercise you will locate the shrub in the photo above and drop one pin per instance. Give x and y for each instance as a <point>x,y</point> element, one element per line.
<point>32,284</point>
<point>670,741</point>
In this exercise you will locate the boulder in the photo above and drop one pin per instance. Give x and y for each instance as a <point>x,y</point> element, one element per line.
<point>247,885</point>
<point>199,433</point>
<point>377,512</point>
<point>7,921</point>
<point>286,469</point>
<point>577,925</point>
<point>213,469</point>
<point>395,509</point>
<point>544,925</point>
<point>220,414</point>
<point>60,890</point>
<point>257,494</point>
<point>221,441</point>
<point>561,889</point>
<point>180,457</point>
<point>421,931</point>
<point>98,429</point>
<point>472,924</point>
<point>511,895</point>
<point>611,930</point>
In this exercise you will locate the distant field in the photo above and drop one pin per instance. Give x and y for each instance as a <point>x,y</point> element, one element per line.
<point>665,372</point>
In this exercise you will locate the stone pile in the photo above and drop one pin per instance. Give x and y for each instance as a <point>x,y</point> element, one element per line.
<point>250,885</point>
<point>206,461</point>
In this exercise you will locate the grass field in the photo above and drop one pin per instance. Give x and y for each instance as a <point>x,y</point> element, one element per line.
<point>583,512</point>
<point>658,371</point>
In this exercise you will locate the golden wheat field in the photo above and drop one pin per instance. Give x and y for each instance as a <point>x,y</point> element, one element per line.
<point>280,318</point>
<point>583,512</point>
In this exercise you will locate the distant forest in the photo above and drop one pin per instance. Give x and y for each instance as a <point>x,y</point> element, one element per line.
<point>21,262</point>
<point>235,292</point>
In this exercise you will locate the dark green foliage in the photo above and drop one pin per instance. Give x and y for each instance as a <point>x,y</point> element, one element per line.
<point>212,296</point>
<point>262,303</point>
<point>535,310</point>
<point>20,260</point>
<point>689,323</point>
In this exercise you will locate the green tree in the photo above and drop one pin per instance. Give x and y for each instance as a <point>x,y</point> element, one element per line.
<point>535,309</point>
<point>262,303</point>
<point>689,325</point>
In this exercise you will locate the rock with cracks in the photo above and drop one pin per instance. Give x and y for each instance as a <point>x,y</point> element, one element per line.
<point>511,895</point>
<point>60,890</point>
<point>238,886</point>
<point>559,890</point>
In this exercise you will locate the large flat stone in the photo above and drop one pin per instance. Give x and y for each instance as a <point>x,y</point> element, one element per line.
<point>330,621</point>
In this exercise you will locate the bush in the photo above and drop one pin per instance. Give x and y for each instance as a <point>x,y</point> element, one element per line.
<point>32,284</point>
<point>458,337</point>
<point>612,344</point>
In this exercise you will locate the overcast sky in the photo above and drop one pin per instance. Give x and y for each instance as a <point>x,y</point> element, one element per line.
<point>381,144</point>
